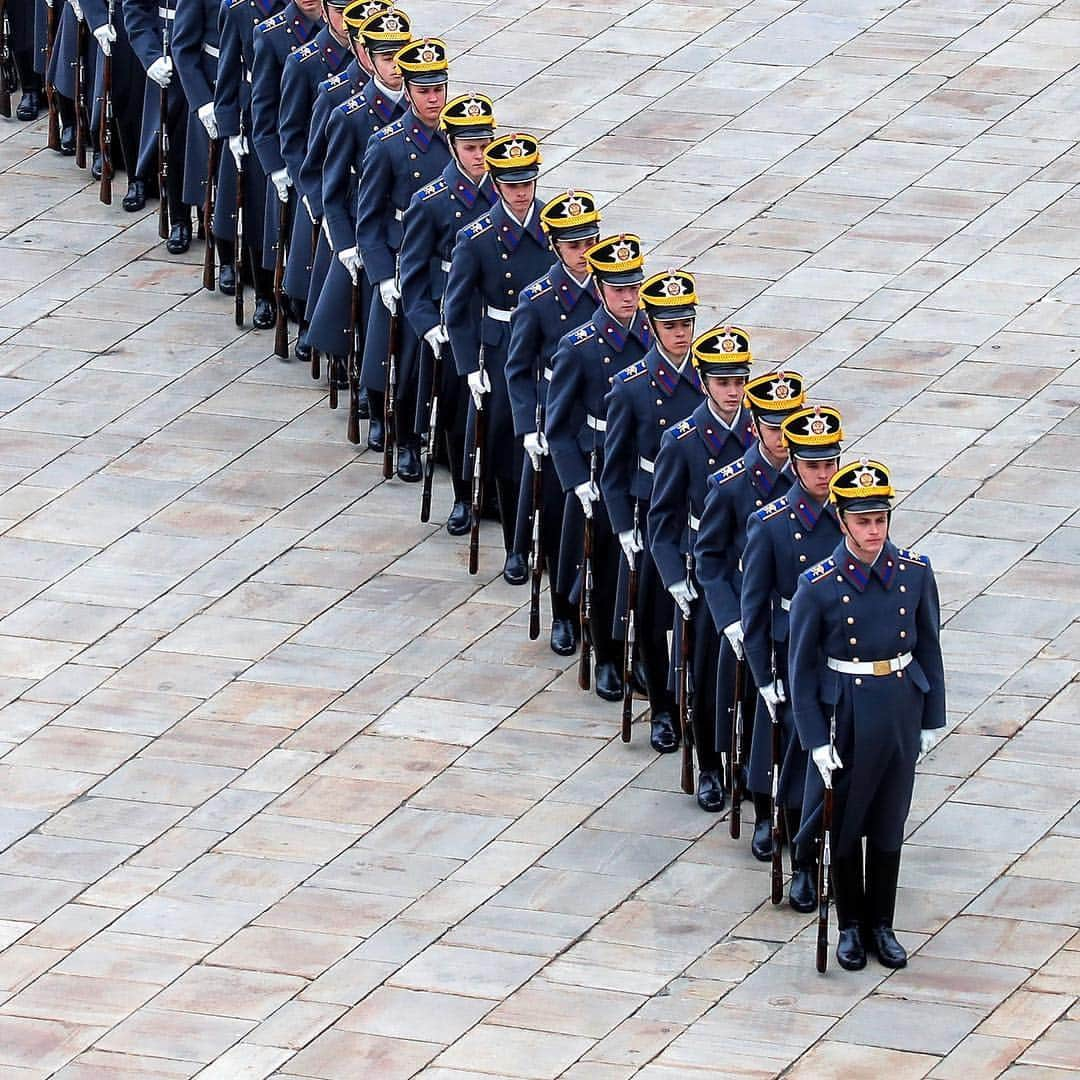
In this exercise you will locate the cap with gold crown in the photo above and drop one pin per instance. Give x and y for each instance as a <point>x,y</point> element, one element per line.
<point>424,62</point>
<point>670,296</point>
<point>862,486</point>
<point>571,216</point>
<point>513,159</point>
<point>774,397</point>
<point>617,260</point>
<point>813,433</point>
<point>722,351</point>
<point>382,30</point>
<point>468,116</point>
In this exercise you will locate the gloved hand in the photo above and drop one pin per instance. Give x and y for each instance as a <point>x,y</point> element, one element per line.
<point>350,259</point>
<point>326,233</point>
<point>827,761</point>
<point>927,741</point>
<point>310,212</point>
<point>630,542</point>
<point>479,385</point>
<point>733,632</point>
<point>238,147</point>
<point>206,114</point>
<point>78,10</point>
<point>436,338</point>
<point>536,446</point>
<point>282,181</point>
<point>160,71</point>
<point>683,593</point>
<point>773,695</point>
<point>105,35</point>
<point>390,294</point>
<point>587,494</point>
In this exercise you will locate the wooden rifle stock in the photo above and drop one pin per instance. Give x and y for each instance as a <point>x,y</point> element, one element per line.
<point>536,551</point>
<point>584,678</point>
<point>630,639</point>
<point>824,866</point>
<point>431,435</point>
<point>737,725</point>
<point>51,25</point>
<point>163,165</point>
<point>390,397</point>
<point>281,323</point>
<point>776,893</point>
<point>353,427</point>
<point>239,242</point>
<point>684,688</point>
<point>105,125</point>
<point>9,76</point>
<point>209,266</point>
<point>479,424</point>
<point>82,119</point>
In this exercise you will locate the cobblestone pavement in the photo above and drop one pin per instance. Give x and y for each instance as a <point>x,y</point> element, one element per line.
<point>285,792</point>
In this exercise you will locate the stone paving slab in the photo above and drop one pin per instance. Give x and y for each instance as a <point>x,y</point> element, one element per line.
<point>285,793</point>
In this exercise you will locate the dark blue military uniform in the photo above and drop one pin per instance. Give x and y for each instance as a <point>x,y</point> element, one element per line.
<point>689,452</point>
<point>61,73</point>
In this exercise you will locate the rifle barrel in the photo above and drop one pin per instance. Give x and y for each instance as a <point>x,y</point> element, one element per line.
<point>352,430</point>
<point>281,322</point>
<point>213,156</point>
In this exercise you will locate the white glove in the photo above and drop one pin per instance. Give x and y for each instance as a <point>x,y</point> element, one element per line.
<point>630,542</point>
<point>105,35</point>
<point>733,632</point>
<point>536,446</point>
<point>683,593</point>
<point>160,71</point>
<point>479,385</point>
<point>927,741</point>
<point>209,121</point>
<point>390,294</point>
<point>827,761</point>
<point>772,694</point>
<point>78,10</point>
<point>350,259</point>
<point>310,212</point>
<point>587,494</point>
<point>326,233</point>
<point>436,338</point>
<point>49,3</point>
<point>238,147</point>
<point>282,181</point>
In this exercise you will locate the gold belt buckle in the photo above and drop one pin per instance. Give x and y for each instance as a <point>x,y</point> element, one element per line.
<point>882,667</point>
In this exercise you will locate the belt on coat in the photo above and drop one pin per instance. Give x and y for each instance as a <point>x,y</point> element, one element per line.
<point>211,50</point>
<point>399,215</point>
<point>869,667</point>
<point>547,373</point>
<point>167,13</point>
<point>785,603</point>
<point>695,523</point>
<point>499,314</point>
<point>646,464</point>
<point>444,266</point>
<point>595,422</point>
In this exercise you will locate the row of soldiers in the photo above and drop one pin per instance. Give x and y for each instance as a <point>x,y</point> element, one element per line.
<point>703,544</point>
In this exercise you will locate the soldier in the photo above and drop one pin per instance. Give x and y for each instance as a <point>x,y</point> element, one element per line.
<point>349,126</point>
<point>21,13</point>
<point>435,216</point>
<point>868,692</point>
<point>61,71</point>
<point>646,399</point>
<point>547,310</point>
<point>149,28</point>
<point>735,492</point>
<point>494,259</point>
<point>399,159</point>
<point>583,369</point>
<point>784,538</point>
<point>717,432</point>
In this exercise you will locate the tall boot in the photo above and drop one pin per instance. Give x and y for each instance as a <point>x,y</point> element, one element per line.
<point>849,898</point>
<point>882,875</point>
<point>664,735</point>
<point>761,845</point>
<point>565,629</point>
<point>457,524</point>
<point>376,427</point>
<point>515,568</point>
<point>802,893</point>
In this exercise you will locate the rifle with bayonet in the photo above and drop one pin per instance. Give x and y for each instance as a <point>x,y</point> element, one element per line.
<point>238,236</point>
<point>736,754</point>
<point>353,361</point>
<point>536,550</point>
<point>281,322</point>
<point>684,687</point>
<point>163,142</point>
<point>477,494</point>
<point>432,434</point>
<point>106,122</point>
<point>825,863</point>
<point>585,604</point>
<point>52,22</point>
<point>390,397</point>
<point>82,116</point>
<point>776,893</point>
<point>630,638</point>
<point>209,271</point>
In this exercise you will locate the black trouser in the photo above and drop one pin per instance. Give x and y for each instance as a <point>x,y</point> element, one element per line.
<point>871,903</point>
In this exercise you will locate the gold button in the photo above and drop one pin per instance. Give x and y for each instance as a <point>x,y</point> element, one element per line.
<point>903,611</point>
<point>659,402</point>
<point>850,620</point>
<point>903,588</point>
<point>846,599</point>
<point>858,682</point>
<point>802,558</point>
<point>903,633</point>
<point>792,516</point>
<point>798,536</point>
<point>757,502</point>
<point>853,641</point>
<point>416,176</point>
<point>412,157</point>
<point>509,273</point>
<point>607,359</point>
<point>562,316</point>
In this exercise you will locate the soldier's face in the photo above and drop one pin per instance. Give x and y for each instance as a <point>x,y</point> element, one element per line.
<point>518,197</point>
<point>427,102</point>
<point>772,439</point>
<point>726,393</point>
<point>815,476</point>
<point>336,18</point>
<point>675,336</point>
<point>386,69</point>
<point>470,156</point>
<point>620,300</point>
<point>866,533</point>
<point>572,254</point>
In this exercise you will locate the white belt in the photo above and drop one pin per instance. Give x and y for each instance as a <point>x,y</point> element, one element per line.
<point>498,314</point>
<point>211,50</point>
<point>869,667</point>
<point>399,215</point>
<point>444,266</point>
<point>547,373</point>
<point>595,422</point>
<point>785,603</point>
<point>168,14</point>
<point>247,76</point>
<point>695,523</point>
<point>646,464</point>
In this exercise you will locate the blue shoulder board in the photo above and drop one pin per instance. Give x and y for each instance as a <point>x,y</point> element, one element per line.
<point>476,228</point>
<point>583,334</point>
<point>729,472</point>
<point>537,288</point>
<point>273,22</point>
<point>306,52</point>
<point>912,556</point>
<point>684,427</point>
<point>333,82</point>
<point>350,105</point>
<point>771,509</point>
<point>821,571</point>
<point>639,367</point>
<point>390,129</point>
<point>436,187</point>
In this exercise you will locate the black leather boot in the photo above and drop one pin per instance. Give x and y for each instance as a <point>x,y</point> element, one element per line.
<point>408,463</point>
<point>710,791</point>
<point>608,681</point>
<point>29,106</point>
<point>847,891</point>
<point>515,569</point>
<point>227,279</point>
<point>263,317</point>
<point>457,524</point>
<point>664,736</point>
<point>761,844</point>
<point>95,166</point>
<point>179,238</point>
<point>563,638</point>
<point>882,875</point>
<point>67,141</point>
<point>135,199</point>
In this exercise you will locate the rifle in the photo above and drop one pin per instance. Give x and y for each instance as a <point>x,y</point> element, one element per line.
<point>630,640</point>
<point>685,691</point>
<point>353,427</point>
<point>238,238</point>
<point>209,255</point>
<point>106,121</point>
<point>735,823</point>
<point>281,324</point>
<point>52,22</point>
<point>431,435</point>
<point>163,143</point>
<point>824,865</point>
<point>536,552</point>
<point>479,425</point>
<point>390,397</point>
<point>9,76</point>
<point>777,889</point>
<point>82,119</point>
<point>584,678</point>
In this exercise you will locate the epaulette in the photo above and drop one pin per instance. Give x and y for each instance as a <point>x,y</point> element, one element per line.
<point>236,3</point>
<point>771,509</point>
<point>429,191</point>
<point>351,105</point>
<point>684,427</point>
<point>729,472</point>
<point>333,82</point>
<point>582,334</point>
<point>821,571</point>
<point>390,129</point>
<point>912,556</point>
<point>476,228</point>
<point>306,52</point>
<point>272,23</point>
<point>537,288</point>
<point>639,367</point>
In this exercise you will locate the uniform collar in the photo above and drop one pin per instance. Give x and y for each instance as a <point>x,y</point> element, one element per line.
<point>465,190</point>
<point>303,28</point>
<point>616,335</point>
<point>332,52</point>
<point>763,476</point>
<point>266,8</point>
<point>385,108</point>
<point>420,136</point>
<point>666,376</point>
<point>715,434</point>
<point>859,574</point>
<point>567,291</point>
<point>511,232</point>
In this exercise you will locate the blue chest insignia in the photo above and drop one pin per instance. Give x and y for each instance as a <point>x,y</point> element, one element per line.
<point>772,509</point>
<point>585,333</point>
<point>390,129</point>
<point>729,472</point>
<point>684,427</point>
<point>537,288</point>
<point>635,370</point>
<point>273,22</point>
<point>429,191</point>
<point>477,228</point>
<point>912,556</point>
<point>821,571</point>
